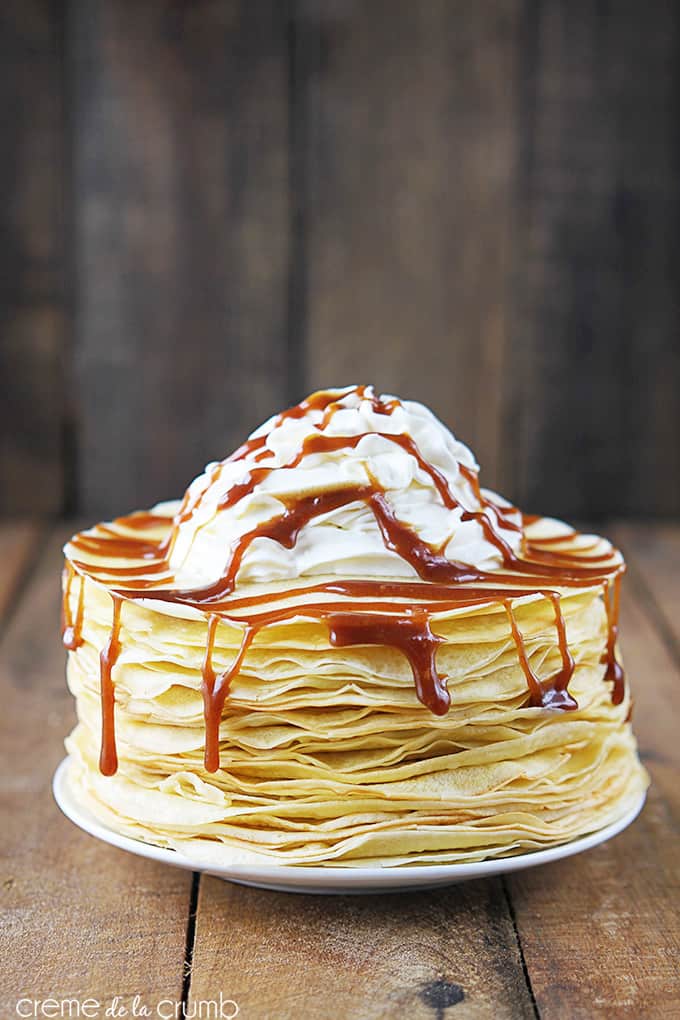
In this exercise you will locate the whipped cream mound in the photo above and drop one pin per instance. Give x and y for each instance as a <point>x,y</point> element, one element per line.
<point>346,541</point>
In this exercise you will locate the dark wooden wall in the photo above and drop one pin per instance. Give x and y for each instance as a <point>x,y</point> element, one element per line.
<point>210,208</point>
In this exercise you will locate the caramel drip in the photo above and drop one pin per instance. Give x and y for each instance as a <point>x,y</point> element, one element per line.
<point>108,758</point>
<point>428,564</point>
<point>500,513</point>
<point>208,679</point>
<point>534,684</point>
<point>335,405</point>
<point>379,405</point>
<point>72,630</point>
<point>434,566</point>
<point>472,478</point>
<point>411,634</point>
<point>68,575</point>
<point>250,446</point>
<point>491,535</point>
<point>560,697</point>
<point>244,488</point>
<point>552,692</point>
<point>614,672</point>
<point>215,688</point>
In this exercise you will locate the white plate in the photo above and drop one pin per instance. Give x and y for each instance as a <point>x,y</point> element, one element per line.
<point>286,878</point>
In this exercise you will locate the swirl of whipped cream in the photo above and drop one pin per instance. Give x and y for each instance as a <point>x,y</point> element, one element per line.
<point>345,541</point>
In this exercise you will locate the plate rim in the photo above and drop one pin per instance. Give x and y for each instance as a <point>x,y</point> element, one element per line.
<point>320,878</point>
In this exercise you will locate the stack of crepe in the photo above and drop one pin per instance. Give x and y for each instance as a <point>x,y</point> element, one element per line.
<point>327,756</point>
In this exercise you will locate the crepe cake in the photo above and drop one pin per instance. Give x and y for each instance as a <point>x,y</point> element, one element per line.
<point>339,649</point>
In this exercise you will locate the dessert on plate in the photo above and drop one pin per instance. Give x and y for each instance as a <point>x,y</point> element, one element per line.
<point>338,649</point>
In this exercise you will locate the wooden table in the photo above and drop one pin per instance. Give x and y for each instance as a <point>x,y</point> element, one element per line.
<point>594,936</point>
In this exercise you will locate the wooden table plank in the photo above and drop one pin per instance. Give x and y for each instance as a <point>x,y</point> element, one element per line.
<point>653,554</point>
<point>80,918</point>
<point>601,933</point>
<point>17,541</point>
<point>412,955</point>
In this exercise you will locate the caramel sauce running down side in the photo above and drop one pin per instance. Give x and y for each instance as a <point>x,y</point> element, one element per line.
<point>320,443</point>
<point>72,630</point>
<point>215,689</point>
<point>560,681</point>
<point>108,759</point>
<point>614,672</point>
<point>410,634</point>
<point>551,693</point>
<point>534,684</point>
<point>444,583</point>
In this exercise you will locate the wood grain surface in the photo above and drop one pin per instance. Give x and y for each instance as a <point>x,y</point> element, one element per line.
<point>595,936</point>
<point>20,542</point>
<point>211,208</point>
<point>411,155</point>
<point>597,336</point>
<point>34,409</point>
<point>181,238</point>
<point>408,954</point>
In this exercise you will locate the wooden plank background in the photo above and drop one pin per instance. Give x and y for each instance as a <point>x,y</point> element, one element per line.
<point>211,208</point>
<point>33,302</point>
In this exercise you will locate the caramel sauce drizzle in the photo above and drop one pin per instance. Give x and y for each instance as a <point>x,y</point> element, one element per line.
<point>535,690</point>
<point>556,539</point>
<point>215,689</point>
<point>553,692</point>
<point>500,513</point>
<point>443,584</point>
<point>72,630</point>
<point>321,443</point>
<point>560,681</point>
<point>614,672</point>
<point>108,758</point>
<point>411,634</point>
